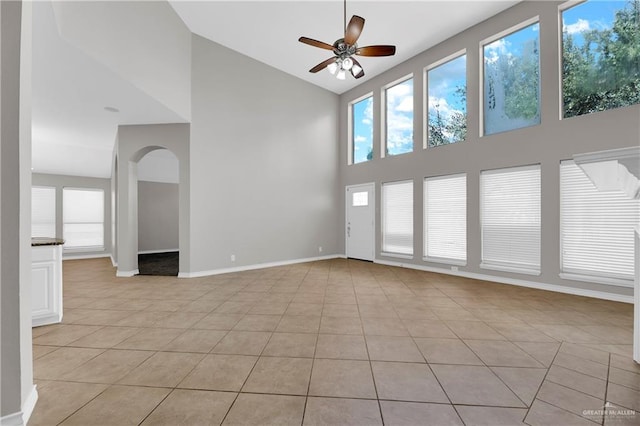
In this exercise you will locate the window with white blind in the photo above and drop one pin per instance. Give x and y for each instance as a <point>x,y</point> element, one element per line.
<point>43,211</point>
<point>596,230</point>
<point>83,219</point>
<point>445,219</point>
<point>397,218</point>
<point>510,219</point>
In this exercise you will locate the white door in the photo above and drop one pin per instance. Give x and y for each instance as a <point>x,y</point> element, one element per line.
<point>360,221</point>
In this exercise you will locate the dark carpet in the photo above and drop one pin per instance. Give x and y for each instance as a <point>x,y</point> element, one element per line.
<point>165,264</point>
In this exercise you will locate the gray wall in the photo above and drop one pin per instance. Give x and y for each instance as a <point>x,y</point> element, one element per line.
<point>547,144</point>
<point>157,216</point>
<point>61,181</point>
<point>17,392</point>
<point>264,163</point>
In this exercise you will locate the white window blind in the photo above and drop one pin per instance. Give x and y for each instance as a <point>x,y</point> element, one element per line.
<point>83,218</point>
<point>510,219</point>
<point>445,218</point>
<point>397,218</point>
<point>43,211</point>
<point>596,228</point>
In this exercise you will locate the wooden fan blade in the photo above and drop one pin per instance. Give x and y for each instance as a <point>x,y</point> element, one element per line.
<point>361,73</point>
<point>323,65</point>
<point>316,43</point>
<point>380,50</point>
<point>353,30</point>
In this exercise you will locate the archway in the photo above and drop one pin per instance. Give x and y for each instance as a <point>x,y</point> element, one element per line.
<point>133,144</point>
<point>158,213</point>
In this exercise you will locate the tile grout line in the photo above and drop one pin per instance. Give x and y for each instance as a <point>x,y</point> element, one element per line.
<point>606,390</point>
<point>535,398</point>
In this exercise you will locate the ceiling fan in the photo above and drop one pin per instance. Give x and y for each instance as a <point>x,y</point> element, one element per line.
<point>345,48</point>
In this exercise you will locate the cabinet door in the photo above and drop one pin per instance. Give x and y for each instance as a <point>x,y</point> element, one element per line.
<point>43,295</point>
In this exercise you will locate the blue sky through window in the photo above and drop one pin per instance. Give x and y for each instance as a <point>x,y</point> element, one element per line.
<point>447,98</point>
<point>399,118</point>
<point>590,15</point>
<point>362,130</point>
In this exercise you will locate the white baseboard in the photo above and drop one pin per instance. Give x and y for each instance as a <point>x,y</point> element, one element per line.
<point>113,261</point>
<point>513,281</point>
<point>158,251</point>
<point>22,417</point>
<point>14,419</point>
<point>84,256</point>
<point>126,274</point>
<point>255,266</point>
<point>29,404</point>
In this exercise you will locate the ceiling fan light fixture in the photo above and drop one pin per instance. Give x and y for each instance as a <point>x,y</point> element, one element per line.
<point>347,63</point>
<point>345,47</point>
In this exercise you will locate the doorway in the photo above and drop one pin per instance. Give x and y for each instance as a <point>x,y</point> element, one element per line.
<point>360,221</point>
<point>158,213</point>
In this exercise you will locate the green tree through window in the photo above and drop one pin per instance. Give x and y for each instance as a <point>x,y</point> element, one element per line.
<point>447,109</point>
<point>512,81</point>
<point>600,56</point>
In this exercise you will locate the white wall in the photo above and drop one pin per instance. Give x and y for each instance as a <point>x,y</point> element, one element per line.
<point>159,166</point>
<point>143,41</point>
<point>547,144</point>
<point>264,162</point>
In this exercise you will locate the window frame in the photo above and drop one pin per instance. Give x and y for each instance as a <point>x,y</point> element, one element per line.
<point>504,33</point>
<point>425,94</point>
<point>350,133</point>
<point>383,116</point>
<point>79,249</point>
<point>563,7</point>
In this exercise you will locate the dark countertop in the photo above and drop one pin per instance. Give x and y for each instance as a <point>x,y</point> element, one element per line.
<point>46,241</point>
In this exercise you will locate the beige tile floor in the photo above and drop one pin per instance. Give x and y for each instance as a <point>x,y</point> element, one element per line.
<point>336,343</point>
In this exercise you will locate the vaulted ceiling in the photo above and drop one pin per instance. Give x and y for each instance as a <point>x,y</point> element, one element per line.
<point>74,134</point>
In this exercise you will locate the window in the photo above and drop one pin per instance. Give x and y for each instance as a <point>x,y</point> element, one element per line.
<point>397,218</point>
<point>447,102</point>
<point>83,217</point>
<point>510,219</point>
<point>445,219</point>
<point>399,118</point>
<point>512,81</point>
<point>360,199</point>
<point>362,130</point>
<point>600,66</point>
<point>43,211</point>
<point>596,228</point>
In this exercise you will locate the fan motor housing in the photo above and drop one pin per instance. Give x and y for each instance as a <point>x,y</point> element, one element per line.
<point>342,49</point>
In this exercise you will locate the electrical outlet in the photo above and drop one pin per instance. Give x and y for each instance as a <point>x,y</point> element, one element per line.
<point>454,268</point>
<point>320,249</point>
<point>233,257</point>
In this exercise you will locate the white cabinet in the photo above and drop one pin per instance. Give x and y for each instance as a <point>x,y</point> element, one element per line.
<point>46,284</point>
